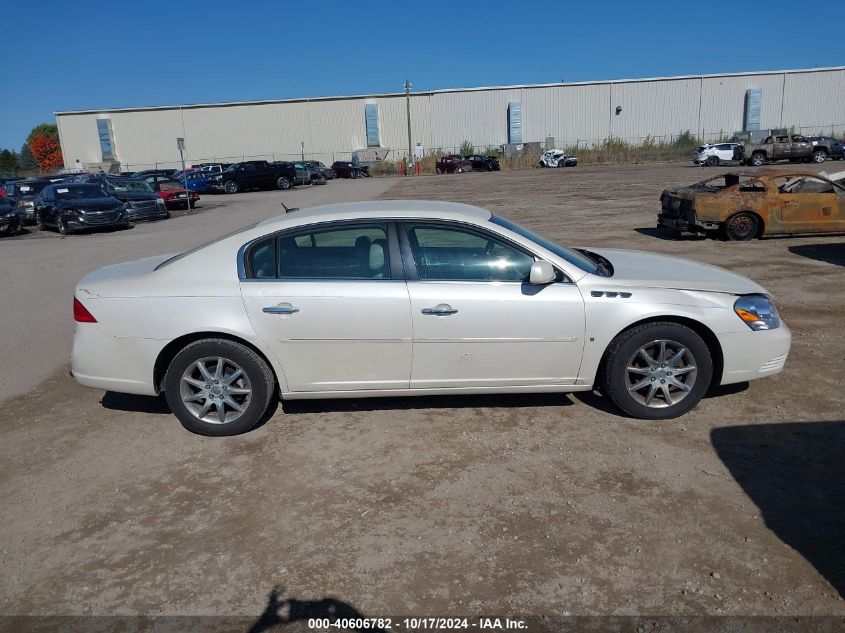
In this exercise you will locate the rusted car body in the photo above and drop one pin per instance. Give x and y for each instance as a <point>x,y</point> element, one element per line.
<point>742,205</point>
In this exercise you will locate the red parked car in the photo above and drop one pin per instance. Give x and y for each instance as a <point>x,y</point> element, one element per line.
<point>451,164</point>
<point>171,191</point>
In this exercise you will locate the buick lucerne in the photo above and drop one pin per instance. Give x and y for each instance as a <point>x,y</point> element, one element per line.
<point>415,298</point>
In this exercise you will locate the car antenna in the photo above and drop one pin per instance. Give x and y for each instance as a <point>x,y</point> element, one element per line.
<point>289,210</point>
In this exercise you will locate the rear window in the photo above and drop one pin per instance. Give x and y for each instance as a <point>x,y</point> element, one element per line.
<point>30,188</point>
<point>175,258</point>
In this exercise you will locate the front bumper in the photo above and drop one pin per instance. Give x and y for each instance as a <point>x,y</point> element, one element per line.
<point>749,355</point>
<point>27,213</point>
<point>80,221</point>
<point>10,224</point>
<point>147,212</point>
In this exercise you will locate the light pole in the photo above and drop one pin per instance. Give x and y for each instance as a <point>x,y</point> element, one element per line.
<point>408,87</point>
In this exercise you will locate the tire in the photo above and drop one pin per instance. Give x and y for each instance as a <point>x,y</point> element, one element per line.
<point>742,227</point>
<point>663,394</point>
<point>256,378</point>
<point>353,174</point>
<point>819,156</point>
<point>231,186</point>
<point>758,160</point>
<point>39,224</point>
<point>438,171</point>
<point>61,227</point>
<point>561,164</point>
<point>283,183</point>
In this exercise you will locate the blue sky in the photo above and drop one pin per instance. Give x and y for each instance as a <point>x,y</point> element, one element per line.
<point>76,55</point>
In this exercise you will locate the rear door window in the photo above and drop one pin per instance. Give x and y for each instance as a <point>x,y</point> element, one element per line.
<point>357,251</point>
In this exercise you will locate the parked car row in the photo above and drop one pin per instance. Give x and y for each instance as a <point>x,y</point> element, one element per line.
<point>455,163</point>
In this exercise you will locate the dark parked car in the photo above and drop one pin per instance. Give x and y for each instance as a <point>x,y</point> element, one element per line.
<point>22,194</point>
<point>76,206</point>
<point>10,219</point>
<point>142,203</point>
<point>834,146</point>
<point>346,169</point>
<point>256,174</point>
<point>320,167</point>
<point>154,172</point>
<point>3,182</point>
<point>452,164</point>
<point>483,163</point>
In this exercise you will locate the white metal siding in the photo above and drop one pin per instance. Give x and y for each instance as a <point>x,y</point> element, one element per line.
<point>332,128</point>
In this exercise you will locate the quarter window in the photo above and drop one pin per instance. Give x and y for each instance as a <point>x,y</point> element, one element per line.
<point>446,253</point>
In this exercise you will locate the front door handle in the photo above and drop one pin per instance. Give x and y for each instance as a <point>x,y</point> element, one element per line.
<point>282,308</point>
<point>441,309</point>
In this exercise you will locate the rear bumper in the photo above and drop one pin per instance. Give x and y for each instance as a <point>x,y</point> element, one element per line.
<point>102,361</point>
<point>686,222</point>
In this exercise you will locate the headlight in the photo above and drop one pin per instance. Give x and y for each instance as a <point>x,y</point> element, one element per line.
<point>758,312</point>
<point>159,202</point>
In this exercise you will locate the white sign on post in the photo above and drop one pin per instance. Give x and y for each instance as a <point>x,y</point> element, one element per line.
<point>180,143</point>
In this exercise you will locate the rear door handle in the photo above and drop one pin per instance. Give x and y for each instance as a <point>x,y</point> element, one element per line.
<point>282,308</point>
<point>441,309</point>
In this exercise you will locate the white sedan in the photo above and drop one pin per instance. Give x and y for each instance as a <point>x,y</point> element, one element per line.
<point>415,298</point>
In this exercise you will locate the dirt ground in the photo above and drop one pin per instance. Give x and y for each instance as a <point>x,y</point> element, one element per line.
<point>525,505</point>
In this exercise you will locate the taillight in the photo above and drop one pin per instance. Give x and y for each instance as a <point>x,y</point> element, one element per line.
<point>81,314</point>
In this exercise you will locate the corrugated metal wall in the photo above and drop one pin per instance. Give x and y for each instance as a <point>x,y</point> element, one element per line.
<point>332,128</point>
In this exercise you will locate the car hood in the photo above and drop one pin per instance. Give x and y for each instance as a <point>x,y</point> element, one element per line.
<point>651,270</point>
<point>90,203</point>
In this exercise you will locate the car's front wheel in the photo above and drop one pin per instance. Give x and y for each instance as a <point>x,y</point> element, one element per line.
<point>283,183</point>
<point>819,156</point>
<point>657,371</point>
<point>218,387</point>
<point>231,186</point>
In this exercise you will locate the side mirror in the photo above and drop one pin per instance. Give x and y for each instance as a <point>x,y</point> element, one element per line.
<point>542,273</point>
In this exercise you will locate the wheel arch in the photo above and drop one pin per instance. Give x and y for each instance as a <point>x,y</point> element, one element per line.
<point>709,337</point>
<point>169,352</point>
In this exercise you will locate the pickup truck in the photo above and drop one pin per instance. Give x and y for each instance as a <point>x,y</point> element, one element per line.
<point>792,147</point>
<point>255,174</point>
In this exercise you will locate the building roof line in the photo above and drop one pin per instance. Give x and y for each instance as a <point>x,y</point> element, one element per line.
<point>385,95</point>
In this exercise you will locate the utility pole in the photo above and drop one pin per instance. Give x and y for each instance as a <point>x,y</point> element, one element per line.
<point>408,87</point>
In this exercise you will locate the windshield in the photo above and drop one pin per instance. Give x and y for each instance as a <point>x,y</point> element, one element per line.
<point>122,186</point>
<point>573,257</point>
<point>79,192</point>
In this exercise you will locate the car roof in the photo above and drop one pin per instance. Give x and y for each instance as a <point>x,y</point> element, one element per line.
<point>381,209</point>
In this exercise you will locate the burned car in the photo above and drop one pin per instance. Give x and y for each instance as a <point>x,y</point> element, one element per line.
<point>742,205</point>
<point>557,158</point>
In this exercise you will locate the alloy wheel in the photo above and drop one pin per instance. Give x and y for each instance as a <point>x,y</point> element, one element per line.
<point>215,390</point>
<point>661,373</point>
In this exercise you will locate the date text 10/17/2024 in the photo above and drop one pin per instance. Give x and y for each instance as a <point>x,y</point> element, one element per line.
<point>415,624</point>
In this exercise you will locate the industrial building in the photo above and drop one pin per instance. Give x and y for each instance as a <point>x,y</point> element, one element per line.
<point>376,126</point>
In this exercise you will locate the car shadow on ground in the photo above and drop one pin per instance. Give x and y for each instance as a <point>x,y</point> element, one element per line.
<point>134,403</point>
<point>405,403</point>
<point>596,400</point>
<point>829,253</point>
<point>794,473</point>
<point>662,233</point>
<point>281,612</point>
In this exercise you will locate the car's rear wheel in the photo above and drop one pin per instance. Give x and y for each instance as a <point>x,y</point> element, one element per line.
<point>712,161</point>
<point>742,227</point>
<point>758,160</point>
<point>283,183</point>
<point>657,371</point>
<point>819,156</point>
<point>231,186</point>
<point>218,387</point>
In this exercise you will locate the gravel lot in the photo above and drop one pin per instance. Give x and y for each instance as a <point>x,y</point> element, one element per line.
<point>506,505</point>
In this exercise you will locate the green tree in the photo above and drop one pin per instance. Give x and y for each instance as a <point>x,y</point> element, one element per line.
<point>47,129</point>
<point>26,161</point>
<point>467,148</point>
<point>8,161</point>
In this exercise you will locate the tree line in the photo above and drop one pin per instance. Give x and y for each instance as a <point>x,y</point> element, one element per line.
<point>40,152</point>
